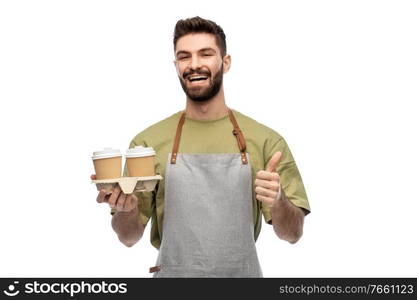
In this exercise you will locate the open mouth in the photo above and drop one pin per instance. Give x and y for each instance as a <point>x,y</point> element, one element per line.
<point>197,78</point>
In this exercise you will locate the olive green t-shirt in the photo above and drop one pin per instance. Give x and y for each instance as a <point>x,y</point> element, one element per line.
<point>215,136</point>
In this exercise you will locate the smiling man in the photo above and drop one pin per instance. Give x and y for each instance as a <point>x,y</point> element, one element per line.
<point>199,83</point>
<point>222,171</point>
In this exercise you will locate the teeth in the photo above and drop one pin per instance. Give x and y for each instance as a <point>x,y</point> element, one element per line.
<point>197,78</point>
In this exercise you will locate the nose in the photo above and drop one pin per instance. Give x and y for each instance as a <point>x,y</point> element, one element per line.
<point>195,62</point>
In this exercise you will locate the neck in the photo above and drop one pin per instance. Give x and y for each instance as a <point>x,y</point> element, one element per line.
<point>214,108</point>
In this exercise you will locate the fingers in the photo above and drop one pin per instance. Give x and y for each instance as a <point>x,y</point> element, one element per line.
<point>131,202</point>
<point>121,201</point>
<point>93,177</point>
<point>100,196</point>
<point>273,162</point>
<point>113,198</point>
<point>268,184</point>
<point>103,196</point>
<point>266,192</point>
<point>268,202</point>
<point>117,199</point>
<point>265,175</point>
<point>128,203</point>
<point>267,187</point>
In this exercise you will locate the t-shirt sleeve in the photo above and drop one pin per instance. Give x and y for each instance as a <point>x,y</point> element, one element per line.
<point>290,177</point>
<point>146,200</point>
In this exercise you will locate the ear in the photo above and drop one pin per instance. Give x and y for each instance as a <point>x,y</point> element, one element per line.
<point>227,61</point>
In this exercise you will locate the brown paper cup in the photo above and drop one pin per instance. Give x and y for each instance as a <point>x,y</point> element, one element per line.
<point>108,168</point>
<point>141,166</point>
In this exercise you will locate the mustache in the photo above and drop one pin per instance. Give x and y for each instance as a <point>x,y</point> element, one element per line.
<point>196,72</point>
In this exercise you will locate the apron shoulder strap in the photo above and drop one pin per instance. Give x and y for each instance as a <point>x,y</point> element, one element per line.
<point>239,137</point>
<point>177,139</point>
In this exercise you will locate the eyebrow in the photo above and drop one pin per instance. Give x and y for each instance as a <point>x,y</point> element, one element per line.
<point>201,50</point>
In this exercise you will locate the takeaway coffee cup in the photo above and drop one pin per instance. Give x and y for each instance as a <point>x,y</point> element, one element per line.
<point>107,163</point>
<point>140,161</point>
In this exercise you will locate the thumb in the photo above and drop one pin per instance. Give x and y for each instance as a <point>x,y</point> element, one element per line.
<point>273,163</point>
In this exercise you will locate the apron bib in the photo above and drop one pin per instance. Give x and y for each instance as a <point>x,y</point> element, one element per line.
<point>208,228</point>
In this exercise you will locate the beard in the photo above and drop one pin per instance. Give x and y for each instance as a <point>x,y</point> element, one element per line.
<point>201,94</point>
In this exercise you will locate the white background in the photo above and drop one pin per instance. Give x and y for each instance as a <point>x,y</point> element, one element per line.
<point>336,78</point>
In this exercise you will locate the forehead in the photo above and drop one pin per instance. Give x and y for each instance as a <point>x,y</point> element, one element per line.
<point>193,42</point>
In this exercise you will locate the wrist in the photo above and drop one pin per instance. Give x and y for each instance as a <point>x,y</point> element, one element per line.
<point>126,214</point>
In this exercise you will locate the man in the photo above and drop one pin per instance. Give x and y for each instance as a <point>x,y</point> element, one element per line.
<point>221,171</point>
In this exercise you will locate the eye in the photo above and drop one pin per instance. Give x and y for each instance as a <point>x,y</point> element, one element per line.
<point>182,57</point>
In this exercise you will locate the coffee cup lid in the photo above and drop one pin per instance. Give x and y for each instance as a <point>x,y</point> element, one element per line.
<point>106,153</point>
<point>140,151</point>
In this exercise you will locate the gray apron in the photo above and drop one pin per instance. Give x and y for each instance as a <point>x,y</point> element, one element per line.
<point>208,228</point>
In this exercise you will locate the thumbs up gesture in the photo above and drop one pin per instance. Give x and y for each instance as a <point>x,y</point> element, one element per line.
<point>268,186</point>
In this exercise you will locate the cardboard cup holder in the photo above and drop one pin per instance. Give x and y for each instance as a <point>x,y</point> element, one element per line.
<point>129,184</point>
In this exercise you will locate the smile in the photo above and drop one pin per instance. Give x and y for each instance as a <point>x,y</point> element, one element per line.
<point>197,78</point>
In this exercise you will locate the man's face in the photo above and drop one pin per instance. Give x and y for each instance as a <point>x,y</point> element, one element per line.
<point>200,66</point>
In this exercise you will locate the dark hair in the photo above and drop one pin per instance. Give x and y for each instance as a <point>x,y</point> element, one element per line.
<point>200,25</point>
